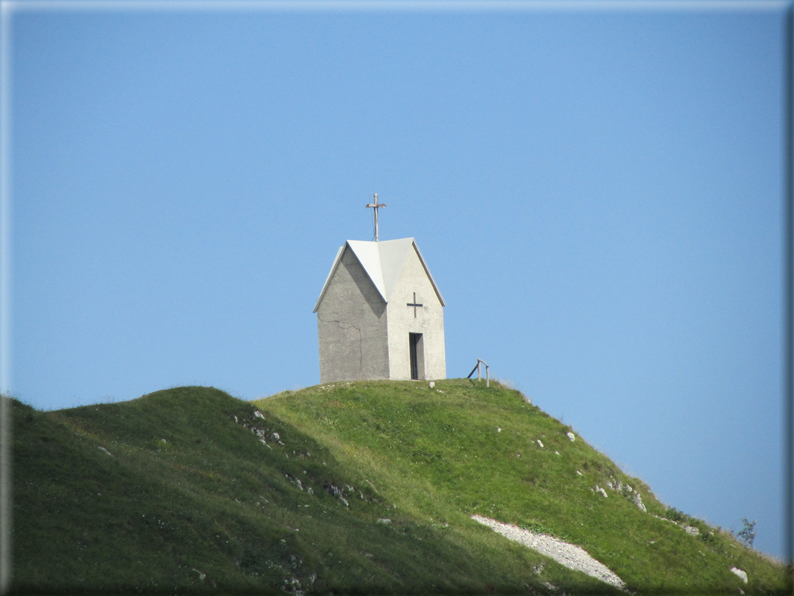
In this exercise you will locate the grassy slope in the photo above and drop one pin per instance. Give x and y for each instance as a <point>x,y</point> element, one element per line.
<point>212,507</point>
<point>404,436</point>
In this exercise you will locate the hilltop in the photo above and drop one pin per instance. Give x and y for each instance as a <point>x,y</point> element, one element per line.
<point>345,488</point>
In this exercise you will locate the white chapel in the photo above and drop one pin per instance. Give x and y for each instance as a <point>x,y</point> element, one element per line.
<point>380,314</point>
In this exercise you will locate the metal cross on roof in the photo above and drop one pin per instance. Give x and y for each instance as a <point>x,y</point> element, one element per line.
<point>415,305</point>
<point>375,206</point>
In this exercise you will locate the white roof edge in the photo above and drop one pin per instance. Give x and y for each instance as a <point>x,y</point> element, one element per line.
<point>330,273</point>
<point>368,255</point>
<point>392,255</point>
<point>429,275</point>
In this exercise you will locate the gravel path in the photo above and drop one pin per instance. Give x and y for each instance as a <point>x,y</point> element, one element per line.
<point>569,555</point>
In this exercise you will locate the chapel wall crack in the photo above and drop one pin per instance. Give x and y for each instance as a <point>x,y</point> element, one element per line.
<point>360,350</point>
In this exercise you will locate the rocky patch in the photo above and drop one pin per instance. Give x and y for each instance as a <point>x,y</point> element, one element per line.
<point>628,492</point>
<point>569,555</point>
<point>335,491</point>
<point>294,480</point>
<point>264,434</point>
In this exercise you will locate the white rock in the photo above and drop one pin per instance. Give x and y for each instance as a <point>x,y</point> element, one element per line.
<point>259,414</point>
<point>384,520</point>
<point>569,555</point>
<point>432,384</point>
<point>539,443</point>
<point>572,437</point>
<point>638,502</point>
<point>498,429</point>
<point>742,575</point>
<point>106,451</point>
<point>578,472</point>
<point>201,575</point>
<point>601,490</point>
<point>691,530</point>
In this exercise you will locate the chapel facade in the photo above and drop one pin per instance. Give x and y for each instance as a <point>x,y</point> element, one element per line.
<point>380,315</point>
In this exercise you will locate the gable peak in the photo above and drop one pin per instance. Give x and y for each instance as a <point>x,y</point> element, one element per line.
<point>383,262</point>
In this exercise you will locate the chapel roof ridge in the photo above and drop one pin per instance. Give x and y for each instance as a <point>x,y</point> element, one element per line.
<point>382,261</point>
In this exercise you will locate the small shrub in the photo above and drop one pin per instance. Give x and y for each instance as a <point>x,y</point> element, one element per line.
<point>747,533</point>
<point>708,538</point>
<point>675,515</point>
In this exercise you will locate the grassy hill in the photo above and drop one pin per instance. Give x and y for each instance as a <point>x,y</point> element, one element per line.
<point>366,487</point>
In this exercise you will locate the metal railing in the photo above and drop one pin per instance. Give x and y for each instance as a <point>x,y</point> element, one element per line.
<point>479,374</point>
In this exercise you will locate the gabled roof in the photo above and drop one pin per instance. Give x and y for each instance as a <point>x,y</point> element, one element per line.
<point>383,262</point>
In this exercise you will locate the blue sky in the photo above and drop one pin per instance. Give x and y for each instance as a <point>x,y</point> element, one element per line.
<point>598,193</point>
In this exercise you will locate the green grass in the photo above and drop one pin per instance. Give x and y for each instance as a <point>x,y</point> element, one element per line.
<point>190,500</point>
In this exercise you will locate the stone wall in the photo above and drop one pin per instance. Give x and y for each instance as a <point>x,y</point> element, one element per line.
<point>351,325</point>
<point>429,321</point>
